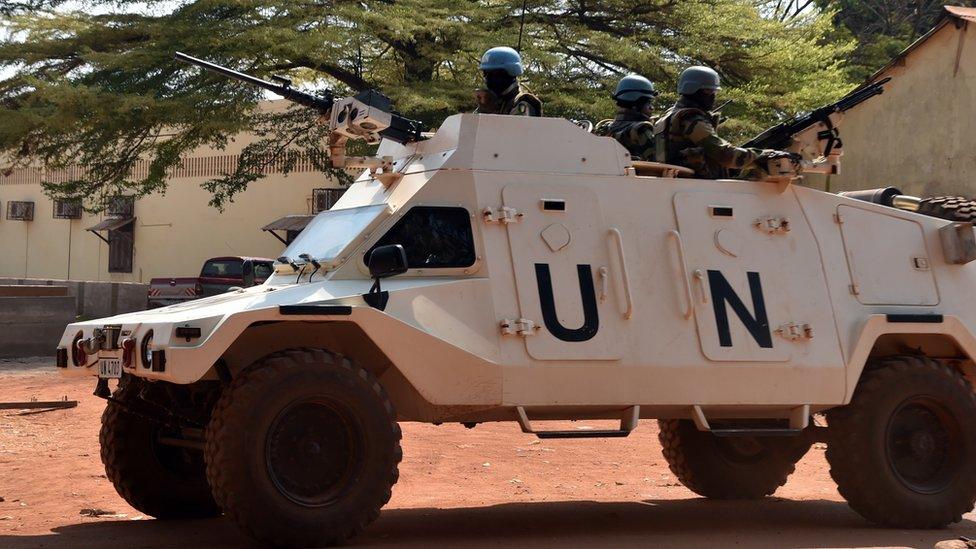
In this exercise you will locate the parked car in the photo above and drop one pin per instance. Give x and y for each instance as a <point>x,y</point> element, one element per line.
<point>218,275</point>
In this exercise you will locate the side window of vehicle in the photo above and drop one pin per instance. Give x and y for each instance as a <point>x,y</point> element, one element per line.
<point>434,237</point>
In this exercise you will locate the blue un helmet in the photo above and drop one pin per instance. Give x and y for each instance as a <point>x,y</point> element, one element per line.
<point>693,79</point>
<point>634,87</point>
<point>502,58</point>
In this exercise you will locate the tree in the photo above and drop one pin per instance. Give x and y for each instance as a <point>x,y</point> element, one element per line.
<point>100,87</point>
<point>883,28</point>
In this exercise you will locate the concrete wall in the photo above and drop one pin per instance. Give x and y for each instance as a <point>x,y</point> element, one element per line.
<point>93,299</point>
<point>920,134</point>
<point>174,232</point>
<point>32,326</point>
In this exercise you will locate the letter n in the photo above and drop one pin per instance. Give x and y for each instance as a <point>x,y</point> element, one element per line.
<point>723,294</point>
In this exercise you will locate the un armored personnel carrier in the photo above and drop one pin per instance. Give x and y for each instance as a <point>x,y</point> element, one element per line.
<point>521,269</point>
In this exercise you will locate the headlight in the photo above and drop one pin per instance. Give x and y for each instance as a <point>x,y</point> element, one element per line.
<point>145,350</point>
<point>78,355</point>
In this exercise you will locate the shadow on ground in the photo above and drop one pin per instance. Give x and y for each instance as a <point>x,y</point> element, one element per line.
<point>767,523</point>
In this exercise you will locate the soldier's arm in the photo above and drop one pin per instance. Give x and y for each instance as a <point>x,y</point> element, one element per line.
<point>701,132</point>
<point>642,138</point>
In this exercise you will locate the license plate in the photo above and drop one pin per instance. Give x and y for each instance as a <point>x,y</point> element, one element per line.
<point>110,368</point>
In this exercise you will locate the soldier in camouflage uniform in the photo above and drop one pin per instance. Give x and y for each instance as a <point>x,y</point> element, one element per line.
<point>633,126</point>
<point>502,93</point>
<point>686,134</point>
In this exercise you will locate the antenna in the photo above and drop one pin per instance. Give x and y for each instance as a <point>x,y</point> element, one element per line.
<point>518,48</point>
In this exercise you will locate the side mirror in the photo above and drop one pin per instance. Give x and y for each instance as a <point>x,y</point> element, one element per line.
<point>247,271</point>
<point>387,261</point>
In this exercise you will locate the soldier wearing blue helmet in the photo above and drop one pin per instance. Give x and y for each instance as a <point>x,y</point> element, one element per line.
<point>686,135</point>
<point>502,94</point>
<point>633,126</point>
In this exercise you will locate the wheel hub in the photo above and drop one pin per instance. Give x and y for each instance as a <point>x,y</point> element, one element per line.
<point>313,452</point>
<point>923,445</point>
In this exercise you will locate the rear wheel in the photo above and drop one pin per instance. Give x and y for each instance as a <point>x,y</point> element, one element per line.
<point>160,480</point>
<point>902,451</point>
<point>728,467</point>
<point>302,449</point>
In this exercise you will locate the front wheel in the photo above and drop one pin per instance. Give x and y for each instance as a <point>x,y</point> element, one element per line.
<point>158,479</point>
<point>902,451</point>
<point>302,449</point>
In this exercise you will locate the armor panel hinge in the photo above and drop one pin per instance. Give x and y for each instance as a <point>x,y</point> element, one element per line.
<point>518,326</point>
<point>773,225</point>
<point>504,215</point>
<point>795,332</point>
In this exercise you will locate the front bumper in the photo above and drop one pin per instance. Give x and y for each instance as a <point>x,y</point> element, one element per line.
<point>143,348</point>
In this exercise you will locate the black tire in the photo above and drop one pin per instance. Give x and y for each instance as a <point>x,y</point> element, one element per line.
<point>902,451</point>
<point>953,208</point>
<point>728,467</point>
<point>166,482</point>
<point>302,449</point>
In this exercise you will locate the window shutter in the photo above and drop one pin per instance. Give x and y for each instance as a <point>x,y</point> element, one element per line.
<point>120,248</point>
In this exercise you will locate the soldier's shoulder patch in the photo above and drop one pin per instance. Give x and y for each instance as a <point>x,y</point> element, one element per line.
<point>697,130</point>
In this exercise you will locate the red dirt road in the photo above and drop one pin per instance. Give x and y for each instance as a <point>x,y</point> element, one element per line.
<point>490,486</point>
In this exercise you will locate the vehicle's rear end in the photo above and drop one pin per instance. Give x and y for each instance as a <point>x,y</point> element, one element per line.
<point>169,291</point>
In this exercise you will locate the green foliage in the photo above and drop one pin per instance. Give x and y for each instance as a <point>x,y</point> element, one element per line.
<point>100,88</point>
<point>882,28</point>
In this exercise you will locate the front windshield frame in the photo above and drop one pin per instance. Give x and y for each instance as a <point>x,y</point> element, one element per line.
<point>358,220</point>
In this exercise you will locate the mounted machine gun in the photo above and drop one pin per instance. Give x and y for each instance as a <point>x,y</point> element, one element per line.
<point>368,116</point>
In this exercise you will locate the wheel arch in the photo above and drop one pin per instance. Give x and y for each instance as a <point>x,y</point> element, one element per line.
<point>948,341</point>
<point>263,338</point>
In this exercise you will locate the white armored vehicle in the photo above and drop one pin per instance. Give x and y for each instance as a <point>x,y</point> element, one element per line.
<point>521,269</point>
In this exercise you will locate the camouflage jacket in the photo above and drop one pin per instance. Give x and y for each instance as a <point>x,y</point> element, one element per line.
<point>515,101</point>
<point>633,129</point>
<point>686,136</point>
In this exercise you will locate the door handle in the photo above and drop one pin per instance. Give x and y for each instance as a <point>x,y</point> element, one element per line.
<point>685,283</point>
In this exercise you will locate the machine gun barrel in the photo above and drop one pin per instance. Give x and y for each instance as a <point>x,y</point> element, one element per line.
<point>376,118</point>
<point>780,136</point>
<point>282,86</point>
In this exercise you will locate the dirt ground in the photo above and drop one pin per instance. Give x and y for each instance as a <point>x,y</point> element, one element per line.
<point>486,487</point>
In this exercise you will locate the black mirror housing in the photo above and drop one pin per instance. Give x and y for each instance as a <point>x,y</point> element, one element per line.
<point>387,261</point>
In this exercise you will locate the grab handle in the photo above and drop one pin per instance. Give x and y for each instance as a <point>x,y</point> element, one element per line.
<point>625,278</point>
<point>685,283</point>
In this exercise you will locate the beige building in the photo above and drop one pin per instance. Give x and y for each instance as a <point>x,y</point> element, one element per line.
<point>167,234</point>
<point>920,134</point>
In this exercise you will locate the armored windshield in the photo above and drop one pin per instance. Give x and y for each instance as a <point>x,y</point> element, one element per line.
<point>332,231</point>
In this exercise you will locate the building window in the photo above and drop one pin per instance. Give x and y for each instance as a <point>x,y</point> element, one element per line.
<point>20,210</point>
<point>121,206</point>
<point>120,248</point>
<point>324,199</point>
<point>433,237</point>
<point>67,208</point>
